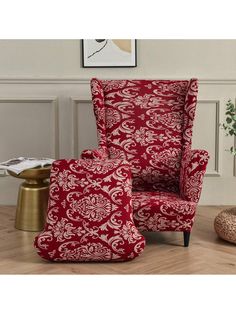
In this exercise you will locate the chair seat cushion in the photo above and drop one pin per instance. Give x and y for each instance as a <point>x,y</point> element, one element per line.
<point>162,211</point>
<point>89,214</point>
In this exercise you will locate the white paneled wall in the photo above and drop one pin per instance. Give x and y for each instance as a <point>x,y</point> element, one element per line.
<point>84,126</point>
<point>206,132</point>
<point>54,118</point>
<point>29,120</point>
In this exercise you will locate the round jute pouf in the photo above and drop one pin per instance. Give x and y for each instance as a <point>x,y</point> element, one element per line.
<point>225,225</point>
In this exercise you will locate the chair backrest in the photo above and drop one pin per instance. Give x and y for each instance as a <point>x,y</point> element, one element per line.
<point>149,123</point>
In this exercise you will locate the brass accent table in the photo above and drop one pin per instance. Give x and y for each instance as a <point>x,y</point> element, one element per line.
<point>32,198</point>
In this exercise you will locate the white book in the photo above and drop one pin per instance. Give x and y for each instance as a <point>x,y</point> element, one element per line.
<point>17,165</point>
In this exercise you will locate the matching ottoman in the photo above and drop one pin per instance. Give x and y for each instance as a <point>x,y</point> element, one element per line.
<point>89,215</point>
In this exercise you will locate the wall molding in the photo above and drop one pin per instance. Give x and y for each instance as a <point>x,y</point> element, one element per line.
<point>53,101</point>
<point>75,102</point>
<point>77,80</point>
<point>217,81</point>
<point>216,172</point>
<point>43,80</point>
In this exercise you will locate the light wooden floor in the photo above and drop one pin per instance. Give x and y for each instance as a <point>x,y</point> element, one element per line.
<point>164,252</point>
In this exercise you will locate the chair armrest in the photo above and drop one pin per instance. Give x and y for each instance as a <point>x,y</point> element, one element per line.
<point>94,154</point>
<point>193,168</point>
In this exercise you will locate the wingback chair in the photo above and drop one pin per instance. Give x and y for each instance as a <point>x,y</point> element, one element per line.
<point>149,123</point>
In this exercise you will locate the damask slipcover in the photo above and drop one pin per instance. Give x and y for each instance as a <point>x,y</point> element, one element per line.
<point>149,123</point>
<point>89,214</point>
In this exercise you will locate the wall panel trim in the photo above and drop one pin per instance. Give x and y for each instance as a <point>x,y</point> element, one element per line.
<point>53,101</point>
<point>77,80</point>
<point>75,126</point>
<point>216,172</point>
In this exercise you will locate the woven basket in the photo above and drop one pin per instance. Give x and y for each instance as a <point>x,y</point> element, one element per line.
<point>225,225</point>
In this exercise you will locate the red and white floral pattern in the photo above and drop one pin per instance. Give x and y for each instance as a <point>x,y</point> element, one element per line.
<point>162,211</point>
<point>89,214</point>
<point>149,123</point>
<point>192,173</point>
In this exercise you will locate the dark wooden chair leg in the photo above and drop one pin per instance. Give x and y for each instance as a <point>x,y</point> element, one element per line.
<point>186,238</point>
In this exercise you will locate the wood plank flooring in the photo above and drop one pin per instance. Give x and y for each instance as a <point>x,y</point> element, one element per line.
<point>164,252</point>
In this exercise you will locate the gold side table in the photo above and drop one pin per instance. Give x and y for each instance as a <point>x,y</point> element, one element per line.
<point>32,198</point>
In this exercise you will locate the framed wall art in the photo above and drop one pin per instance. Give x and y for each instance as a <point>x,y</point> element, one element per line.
<point>109,53</point>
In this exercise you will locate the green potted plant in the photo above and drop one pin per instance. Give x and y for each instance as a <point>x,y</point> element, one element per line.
<point>230,123</point>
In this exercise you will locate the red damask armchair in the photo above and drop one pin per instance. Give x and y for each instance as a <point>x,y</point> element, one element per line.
<point>149,123</point>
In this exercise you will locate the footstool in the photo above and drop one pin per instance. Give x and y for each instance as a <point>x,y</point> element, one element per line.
<point>225,225</point>
<point>90,215</point>
<point>32,198</point>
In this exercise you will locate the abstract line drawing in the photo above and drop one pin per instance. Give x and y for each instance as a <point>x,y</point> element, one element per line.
<point>99,41</point>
